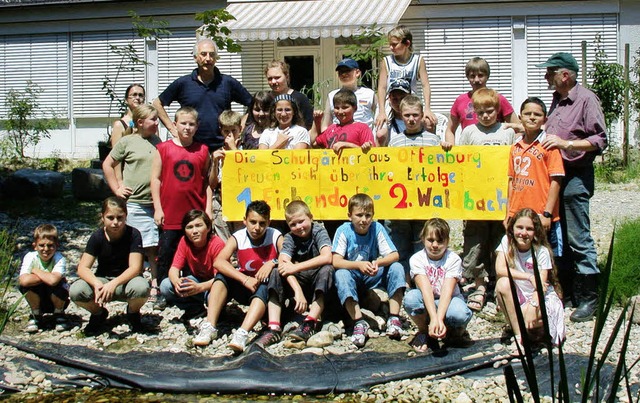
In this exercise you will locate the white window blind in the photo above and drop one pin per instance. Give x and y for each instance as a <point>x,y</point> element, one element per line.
<point>93,60</point>
<point>447,44</point>
<point>547,35</point>
<point>175,59</point>
<point>43,59</point>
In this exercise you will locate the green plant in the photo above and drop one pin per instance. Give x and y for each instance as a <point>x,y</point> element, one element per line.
<point>613,170</point>
<point>315,92</point>
<point>608,83</point>
<point>625,278</point>
<point>26,122</point>
<point>212,21</point>
<point>593,380</point>
<point>130,61</point>
<point>634,86</point>
<point>8,268</point>
<point>368,46</point>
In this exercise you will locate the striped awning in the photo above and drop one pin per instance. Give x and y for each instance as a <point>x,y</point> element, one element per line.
<point>272,20</point>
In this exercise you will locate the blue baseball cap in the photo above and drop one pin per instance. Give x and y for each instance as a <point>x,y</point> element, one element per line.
<point>348,63</point>
<point>400,84</point>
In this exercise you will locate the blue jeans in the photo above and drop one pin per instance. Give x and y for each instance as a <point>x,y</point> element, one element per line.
<point>350,282</point>
<point>577,189</point>
<point>169,293</point>
<point>458,313</point>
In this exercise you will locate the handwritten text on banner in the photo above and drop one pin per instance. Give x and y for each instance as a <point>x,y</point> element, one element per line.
<point>469,182</point>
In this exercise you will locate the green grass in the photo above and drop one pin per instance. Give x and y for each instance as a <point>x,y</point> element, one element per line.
<point>625,275</point>
<point>610,168</point>
<point>8,267</point>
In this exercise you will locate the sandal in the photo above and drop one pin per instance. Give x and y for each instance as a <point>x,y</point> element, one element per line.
<point>476,300</point>
<point>419,343</point>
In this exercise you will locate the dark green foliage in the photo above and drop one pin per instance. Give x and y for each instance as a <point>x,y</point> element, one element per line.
<point>26,123</point>
<point>625,277</point>
<point>8,267</point>
<point>213,28</point>
<point>368,46</point>
<point>608,83</point>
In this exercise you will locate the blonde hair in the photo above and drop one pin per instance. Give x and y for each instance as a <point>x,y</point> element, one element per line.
<point>296,207</point>
<point>229,118</point>
<point>485,97</point>
<point>278,64</point>
<point>143,111</point>
<point>411,101</point>
<point>402,33</point>
<point>361,200</point>
<point>186,110</point>
<point>46,231</point>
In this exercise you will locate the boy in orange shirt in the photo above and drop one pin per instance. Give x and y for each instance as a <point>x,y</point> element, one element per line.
<point>535,174</point>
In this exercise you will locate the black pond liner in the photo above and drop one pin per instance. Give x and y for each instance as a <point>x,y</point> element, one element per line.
<point>257,371</point>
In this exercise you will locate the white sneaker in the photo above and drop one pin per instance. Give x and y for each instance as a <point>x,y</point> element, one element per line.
<point>206,334</point>
<point>239,341</point>
<point>32,326</point>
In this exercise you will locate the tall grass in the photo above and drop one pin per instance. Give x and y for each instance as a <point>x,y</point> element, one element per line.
<point>625,278</point>
<point>591,375</point>
<point>8,268</point>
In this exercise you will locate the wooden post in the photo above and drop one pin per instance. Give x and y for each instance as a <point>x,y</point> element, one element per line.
<point>625,119</point>
<point>584,63</point>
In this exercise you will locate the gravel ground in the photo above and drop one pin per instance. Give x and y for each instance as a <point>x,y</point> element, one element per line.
<point>610,204</point>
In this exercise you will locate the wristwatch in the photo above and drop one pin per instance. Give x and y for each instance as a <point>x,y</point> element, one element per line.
<point>547,214</point>
<point>275,262</point>
<point>570,145</point>
<point>533,303</point>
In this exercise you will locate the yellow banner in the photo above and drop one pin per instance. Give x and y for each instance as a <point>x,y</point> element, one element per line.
<point>469,182</point>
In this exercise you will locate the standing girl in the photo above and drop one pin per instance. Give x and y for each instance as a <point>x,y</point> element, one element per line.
<point>525,236</point>
<point>403,63</point>
<point>134,97</point>
<point>118,249</point>
<point>135,153</point>
<point>278,78</point>
<point>286,133</point>
<point>436,306</point>
<point>257,119</point>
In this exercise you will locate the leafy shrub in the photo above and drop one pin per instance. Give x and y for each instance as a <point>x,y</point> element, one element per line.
<point>625,275</point>
<point>8,267</point>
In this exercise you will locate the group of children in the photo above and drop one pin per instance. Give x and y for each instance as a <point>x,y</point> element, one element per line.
<point>196,267</point>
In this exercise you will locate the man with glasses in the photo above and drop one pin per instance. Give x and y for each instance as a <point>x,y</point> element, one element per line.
<point>205,89</point>
<point>575,126</point>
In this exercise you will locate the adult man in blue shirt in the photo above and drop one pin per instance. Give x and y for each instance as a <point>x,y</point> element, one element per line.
<point>205,89</point>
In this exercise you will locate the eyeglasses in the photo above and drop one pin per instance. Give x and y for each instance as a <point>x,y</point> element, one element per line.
<point>136,95</point>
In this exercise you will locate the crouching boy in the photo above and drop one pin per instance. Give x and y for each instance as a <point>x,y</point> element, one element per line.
<point>365,258</point>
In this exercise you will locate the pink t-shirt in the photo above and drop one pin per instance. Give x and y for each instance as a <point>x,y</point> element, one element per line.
<point>462,109</point>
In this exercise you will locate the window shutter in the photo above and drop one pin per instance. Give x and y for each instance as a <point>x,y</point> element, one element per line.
<point>175,59</point>
<point>447,44</point>
<point>42,59</point>
<point>547,35</point>
<point>93,60</point>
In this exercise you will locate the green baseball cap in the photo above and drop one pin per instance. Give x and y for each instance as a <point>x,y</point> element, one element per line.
<point>563,60</point>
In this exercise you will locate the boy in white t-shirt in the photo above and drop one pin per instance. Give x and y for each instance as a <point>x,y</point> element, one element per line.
<point>348,74</point>
<point>42,279</point>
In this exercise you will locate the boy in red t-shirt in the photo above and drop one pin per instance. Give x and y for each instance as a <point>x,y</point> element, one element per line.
<point>535,174</point>
<point>179,183</point>
<point>346,133</point>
